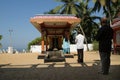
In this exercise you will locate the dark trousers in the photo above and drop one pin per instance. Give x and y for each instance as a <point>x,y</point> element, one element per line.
<point>105,61</point>
<point>80,55</point>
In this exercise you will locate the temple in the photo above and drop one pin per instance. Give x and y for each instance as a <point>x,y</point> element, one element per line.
<point>52,28</point>
<point>116,39</point>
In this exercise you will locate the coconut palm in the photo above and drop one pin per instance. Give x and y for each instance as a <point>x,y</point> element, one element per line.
<point>115,8</point>
<point>88,26</point>
<point>81,10</point>
<point>88,21</point>
<point>68,7</point>
<point>107,6</point>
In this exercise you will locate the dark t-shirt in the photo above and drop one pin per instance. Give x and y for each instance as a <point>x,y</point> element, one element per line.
<point>105,36</point>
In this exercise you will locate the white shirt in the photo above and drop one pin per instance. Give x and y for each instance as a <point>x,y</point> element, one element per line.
<point>79,41</point>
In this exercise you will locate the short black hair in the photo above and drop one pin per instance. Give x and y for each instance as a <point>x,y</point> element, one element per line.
<point>79,32</point>
<point>104,20</point>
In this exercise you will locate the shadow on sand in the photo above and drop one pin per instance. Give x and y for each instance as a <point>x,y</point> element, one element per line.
<point>57,71</point>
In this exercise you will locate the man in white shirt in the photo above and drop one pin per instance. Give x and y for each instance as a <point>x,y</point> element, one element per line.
<point>80,46</point>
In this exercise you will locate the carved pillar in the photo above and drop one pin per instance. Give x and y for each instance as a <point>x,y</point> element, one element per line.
<point>51,43</point>
<point>60,41</point>
<point>46,43</point>
<point>43,42</point>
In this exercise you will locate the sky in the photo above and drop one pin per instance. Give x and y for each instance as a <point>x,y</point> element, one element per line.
<point>15,20</point>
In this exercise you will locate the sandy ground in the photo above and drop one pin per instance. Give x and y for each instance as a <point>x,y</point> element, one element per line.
<point>27,66</point>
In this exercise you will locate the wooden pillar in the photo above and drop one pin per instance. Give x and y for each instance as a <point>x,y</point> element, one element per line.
<point>43,42</point>
<point>60,40</point>
<point>46,43</point>
<point>42,47</point>
<point>114,42</point>
<point>50,42</point>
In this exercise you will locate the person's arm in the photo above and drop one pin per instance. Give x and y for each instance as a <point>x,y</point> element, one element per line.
<point>76,40</point>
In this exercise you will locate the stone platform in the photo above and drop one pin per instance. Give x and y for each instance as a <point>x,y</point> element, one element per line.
<point>54,56</point>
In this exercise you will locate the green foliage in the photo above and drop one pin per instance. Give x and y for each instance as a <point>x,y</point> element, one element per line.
<point>68,7</point>
<point>80,9</point>
<point>95,45</point>
<point>88,23</point>
<point>110,8</point>
<point>36,41</point>
<point>0,39</point>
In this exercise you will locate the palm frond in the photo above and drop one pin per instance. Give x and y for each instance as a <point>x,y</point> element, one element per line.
<point>73,10</point>
<point>58,8</point>
<point>96,7</point>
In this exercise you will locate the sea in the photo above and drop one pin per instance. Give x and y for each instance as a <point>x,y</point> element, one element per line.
<point>14,49</point>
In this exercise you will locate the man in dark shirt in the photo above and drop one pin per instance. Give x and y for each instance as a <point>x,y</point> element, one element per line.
<point>104,36</point>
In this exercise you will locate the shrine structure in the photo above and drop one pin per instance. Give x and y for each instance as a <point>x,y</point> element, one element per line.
<point>116,39</point>
<point>52,28</point>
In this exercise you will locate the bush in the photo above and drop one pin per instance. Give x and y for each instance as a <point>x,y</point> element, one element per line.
<point>95,45</point>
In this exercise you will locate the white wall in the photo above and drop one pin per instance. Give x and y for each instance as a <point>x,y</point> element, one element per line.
<point>73,48</point>
<point>37,48</point>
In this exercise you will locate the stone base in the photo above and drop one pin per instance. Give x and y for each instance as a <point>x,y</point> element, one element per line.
<point>54,56</point>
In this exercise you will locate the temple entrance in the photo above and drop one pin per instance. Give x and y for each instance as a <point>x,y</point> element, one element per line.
<point>53,28</point>
<point>55,42</point>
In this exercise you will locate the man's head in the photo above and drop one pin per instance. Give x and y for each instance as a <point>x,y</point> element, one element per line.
<point>104,21</point>
<point>79,32</point>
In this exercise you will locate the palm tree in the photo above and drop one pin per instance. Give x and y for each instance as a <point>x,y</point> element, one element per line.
<point>107,7</point>
<point>87,25</point>
<point>88,21</point>
<point>115,8</point>
<point>68,7</point>
<point>81,10</point>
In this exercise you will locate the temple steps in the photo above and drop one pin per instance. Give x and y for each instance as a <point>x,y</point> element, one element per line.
<point>54,56</point>
<point>42,56</point>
